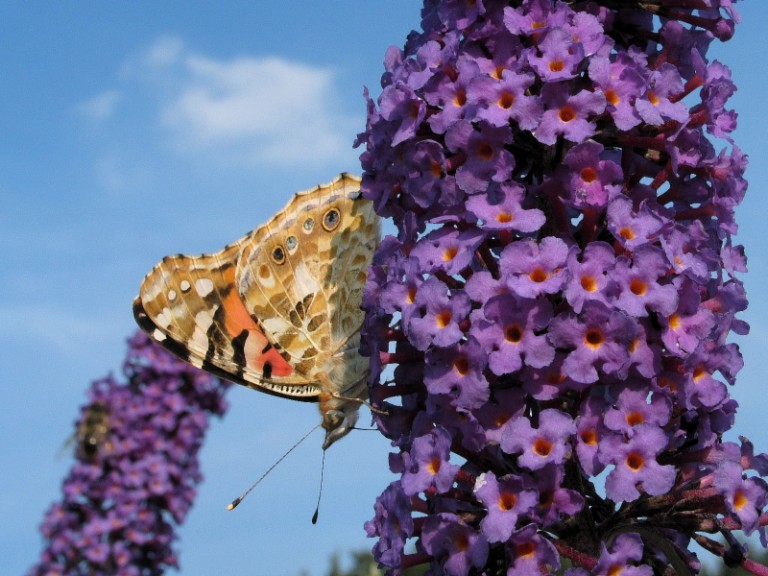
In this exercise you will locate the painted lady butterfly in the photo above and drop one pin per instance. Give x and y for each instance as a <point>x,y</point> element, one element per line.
<point>278,310</point>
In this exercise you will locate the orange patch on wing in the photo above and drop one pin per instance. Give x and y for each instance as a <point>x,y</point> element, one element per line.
<point>237,319</point>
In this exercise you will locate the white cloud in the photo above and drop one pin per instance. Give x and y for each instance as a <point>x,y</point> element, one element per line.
<point>249,110</point>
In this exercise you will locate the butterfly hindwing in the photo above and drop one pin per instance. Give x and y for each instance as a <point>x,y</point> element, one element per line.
<point>303,274</point>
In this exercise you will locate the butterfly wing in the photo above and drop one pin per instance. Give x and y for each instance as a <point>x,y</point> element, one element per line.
<point>189,305</point>
<point>303,276</point>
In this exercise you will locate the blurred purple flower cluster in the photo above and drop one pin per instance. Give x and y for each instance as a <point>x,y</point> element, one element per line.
<point>136,468</point>
<point>549,329</point>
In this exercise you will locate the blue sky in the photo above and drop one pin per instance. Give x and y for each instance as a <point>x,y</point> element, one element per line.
<point>131,130</point>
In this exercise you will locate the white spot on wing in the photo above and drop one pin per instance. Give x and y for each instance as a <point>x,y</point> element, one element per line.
<point>171,295</point>
<point>203,286</point>
<point>158,335</point>
<point>164,318</point>
<point>185,286</point>
<point>203,321</point>
<point>304,283</point>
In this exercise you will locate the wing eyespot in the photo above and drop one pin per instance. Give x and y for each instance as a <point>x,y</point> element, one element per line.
<point>331,220</point>
<point>308,225</point>
<point>291,244</point>
<point>278,255</point>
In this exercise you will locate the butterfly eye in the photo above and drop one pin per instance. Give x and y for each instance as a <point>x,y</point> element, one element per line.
<point>278,255</point>
<point>291,243</point>
<point>309,223</point>
<point>331,219</point>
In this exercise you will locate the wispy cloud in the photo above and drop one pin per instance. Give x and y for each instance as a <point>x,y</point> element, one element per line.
<point>247,111</point>
<point>101,106</point>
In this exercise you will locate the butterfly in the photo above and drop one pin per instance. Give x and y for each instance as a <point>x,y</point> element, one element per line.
<point>279,309</point>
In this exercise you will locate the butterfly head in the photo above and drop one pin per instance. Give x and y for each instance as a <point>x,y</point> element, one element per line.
<point>338,423</point>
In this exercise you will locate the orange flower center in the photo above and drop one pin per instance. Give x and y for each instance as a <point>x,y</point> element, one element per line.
<point>588,175</point>
<point>485,151</point>
<point>638,287</point>
<point>507,501</point>
<point>556,66</point>
<point>594,338</point>
<point>506,100</point>
<point>542,447</point>
<point>589,436</point>
<point>635,461</point>
<point>567,114</point>
<point>450,253</point>
<point>635,418</point>
<point>589,283</point>
<point>739,500</point>
<point>538,275</point>
<point>443,319</point>
<point>513,333</point>
<point>627,233</point>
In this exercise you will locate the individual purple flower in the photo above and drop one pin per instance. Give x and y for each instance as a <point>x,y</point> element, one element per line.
<point>446,249</point>
<point>393,525</point>
<point>531,553</point>
<point>427,464</point>
<point>535,17</point>
<point>621,81</point>
<point>689,325</point>
<point>597,339</point>
<point>558,57</point>
<point>744,497</point>
<point>509,329</point>
<point>506,499</point>
<point>456,547</point>
<point>504,99</point>
<point>555,502</point>
<point>566,115</point>
<point>548,443</point>
<point>435,315</point>
<point>532,268</point>
<point>500,208</point>
<point>590,179</point>
<point>632,408</point>
<point>657,105</point>
<point>632,228</point>
<point>590,430</point>
<point>638,286</point>
<point>447,92</point>
<point>136,471</point>
<point>589,274</point>
<point>457,371</point>
<point>505,406</point>
<point>636,465</point>
<point>486,158</point>
<point>402,106</point>
<point>626,552</point>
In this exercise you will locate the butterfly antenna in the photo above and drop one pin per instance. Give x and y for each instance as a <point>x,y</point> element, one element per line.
<point>320,492</point>
<point>242,496</point>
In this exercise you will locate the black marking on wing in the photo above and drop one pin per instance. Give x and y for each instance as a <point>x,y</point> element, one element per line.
<point>271,387</point>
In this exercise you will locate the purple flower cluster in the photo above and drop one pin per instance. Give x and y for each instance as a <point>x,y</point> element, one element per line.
<point>548,331</point>
<point>136,468</point>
